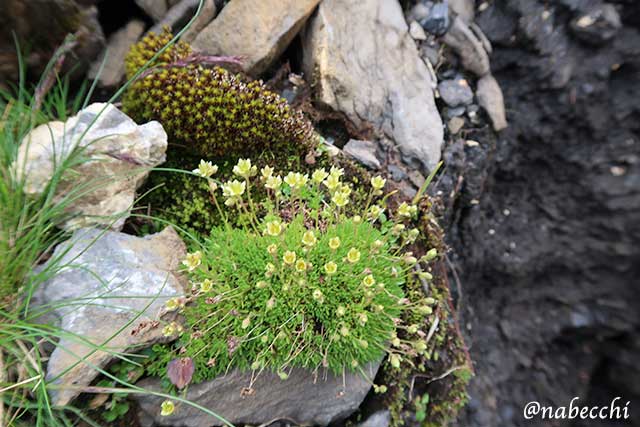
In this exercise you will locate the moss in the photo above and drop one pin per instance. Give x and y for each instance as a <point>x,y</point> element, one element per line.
<point>212,111</point>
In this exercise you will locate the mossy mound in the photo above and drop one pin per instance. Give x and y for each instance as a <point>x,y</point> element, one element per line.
<point>210,109</point>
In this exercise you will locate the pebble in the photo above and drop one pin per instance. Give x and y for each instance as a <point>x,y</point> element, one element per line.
<point>397,173</point>
<point>455,124</point>
<point>598,26</point>
<point>416,31</point>
<point>437,22</point>
<point>364,152</point>
<point>455,112</point>
<point>455,92</point>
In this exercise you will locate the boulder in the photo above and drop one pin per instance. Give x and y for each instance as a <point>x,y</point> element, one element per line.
<point>242,399</point>
<point>374,77</point>
<point>490,98</point>
<point>109,291</point>
<point>257,30</point>
<point>116,157</point>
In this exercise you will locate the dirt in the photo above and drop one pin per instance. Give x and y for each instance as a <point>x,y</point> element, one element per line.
<point>544,222</point>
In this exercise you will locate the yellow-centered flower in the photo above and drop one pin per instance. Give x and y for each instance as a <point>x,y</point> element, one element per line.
<point>206,285</point>
<point>274,228</point>
<point>338,172</point>
<point>233,188</point>
<point>331,268</point>
<point>173,304</point>
<point>319,175</point>
<point>193,260</point>
<point>301,265</point>
<point>272,248</point>
<point>206,169</point>
<point>353,255</point>
<point>334,243</point>
<point>166,408</point>
<point>340,199</point>
<point>318,295</point>
<point>404,210</point>
<point>378,182</point>
<point>289,257</point>
<point>296,179</point>
<point>332,182</point>
<point>266,172</point>
<point>273,183</point>
<point>244,168</point>
<point>369,281</point>
<point>309,238</point>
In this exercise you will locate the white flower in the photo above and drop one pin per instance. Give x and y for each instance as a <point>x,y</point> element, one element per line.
<point>206,169</point>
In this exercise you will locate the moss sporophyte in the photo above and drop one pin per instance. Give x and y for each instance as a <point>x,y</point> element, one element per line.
<point>303,284</point>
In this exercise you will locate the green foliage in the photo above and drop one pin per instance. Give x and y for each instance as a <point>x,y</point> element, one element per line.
<point>211,110</point>
<point>117,405</point>
<point>301,284</point>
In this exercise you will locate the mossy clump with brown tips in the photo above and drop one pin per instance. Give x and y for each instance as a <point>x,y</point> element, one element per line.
<point>210,109</point>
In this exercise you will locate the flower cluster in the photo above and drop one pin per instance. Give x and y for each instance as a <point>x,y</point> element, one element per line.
<point>304,283</point>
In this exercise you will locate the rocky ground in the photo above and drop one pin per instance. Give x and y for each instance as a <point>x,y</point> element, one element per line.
<point>544,223</point>
<point>533,107</point>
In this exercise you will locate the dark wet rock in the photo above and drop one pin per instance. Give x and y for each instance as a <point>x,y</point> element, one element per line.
<point>437,21</point>
<point>377,419</point>
<point>455,92</point>
<point>544,225</point>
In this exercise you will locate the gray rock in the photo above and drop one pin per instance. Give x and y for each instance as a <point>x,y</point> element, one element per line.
<point>110,291</point>
<point>378,419</point>
<point>455,92</point>
<point>437,21</point>
<point>374,77</point>
<point>118,152</point>
<point>118,46</point>
<point>363,151</point>
<point>490,98</point>
<point>177,16</point>
<point>156,9</point>
<point>597,26</point>
<point>465,9</point>
<point>455,112</point>
<point>258,31</point>
<point>302,399</point>
<point>397,173</point>
<point>208,12</point>
<point>468,46</point>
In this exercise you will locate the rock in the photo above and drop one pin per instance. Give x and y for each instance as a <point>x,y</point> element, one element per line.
<point>118,154</point>
<point>416,178</point>
<point>469,48</point>
<point>378,419</point>
<point>156,9</point>
<point>374,77</point>
<point>437,21</point>
<point>490,98</point>
<point>208,12</point>
<point>416,31</point>
<point>455,124</point>
<point>118,46</point>
<point>42,26</point>
<point>597,26</point>
<point>177,16</point>
<point>302,399</point>
<point>455,92</point>
<point>455,112</point>
<point>465,9</point>
<point>396,172</point>
<point>258,31</point>
<point>364,152</point>
<point>124,281</point>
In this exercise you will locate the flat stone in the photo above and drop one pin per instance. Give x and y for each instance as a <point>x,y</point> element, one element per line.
<point>118,152</point>
<point>375,77</point>
<point>302,399</point>
<point>468,46</point>
<point>257,30</point>
<point>490,98</point>
<point>364,152</point>
<point>455,92</point>
<point>110,292</point>
<point>416,31</point>
<point>118,45</point>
